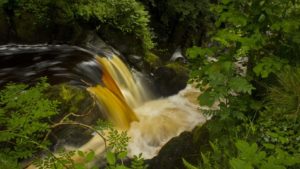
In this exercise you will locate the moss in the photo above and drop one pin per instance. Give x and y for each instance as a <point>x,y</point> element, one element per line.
<point>70,97</point>
<point>153,60</point>
<point>177,67</point>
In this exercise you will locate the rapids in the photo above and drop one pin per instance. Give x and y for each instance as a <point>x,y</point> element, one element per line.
<point>121,92</point>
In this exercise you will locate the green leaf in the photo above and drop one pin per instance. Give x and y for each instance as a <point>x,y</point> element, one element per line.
<point>121,167</point>
<point>225,2</point>
<point>269,165</point>
<point>262,18</point>
<point>79,166</point>
<point>240,84</point>
<point>207,98</point>
<point>206,160</point>
<point>122,155</point>
<point>227,66</point>
<point>188,165</point>
<point>80,153</point>
<point>90,156</point>
<point>239,164</point>
<point>111,158</point>
<point>195,51</point>
<point>269,146</point>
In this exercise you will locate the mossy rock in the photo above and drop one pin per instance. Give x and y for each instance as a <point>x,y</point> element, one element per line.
<point>171,78</point>
<point>151,62</point>
<point>178,67</point>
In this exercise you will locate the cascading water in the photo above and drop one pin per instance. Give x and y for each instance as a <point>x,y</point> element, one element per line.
<point>119,92</point>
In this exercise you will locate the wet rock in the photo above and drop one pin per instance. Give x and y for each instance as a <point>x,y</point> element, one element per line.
<point>187,145</point>
<point>178,57</point>
<point>171,78</point>
<point>136,61</point>
<point>151,62</point>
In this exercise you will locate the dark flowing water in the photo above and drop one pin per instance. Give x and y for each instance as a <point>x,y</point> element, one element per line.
<point>60,63</point>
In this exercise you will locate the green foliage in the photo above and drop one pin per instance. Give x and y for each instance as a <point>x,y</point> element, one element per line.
<point>116,153</point>
<point>153,60</point>
<point>268,65</point>
<point>129,16</point>
<point>24,128</point>
<point>24,112</point>
<point>64,159</point>
<point>246,155</point>
<point>279,134</point>
<point>8,161</point>
<point>117,149</point>
<point>138,162</point>
<point>238,34</point>
<point>252,42</point>
<point>189,10</point>
<point>3,2</point>
<point>250,157</point>
<point>126,15</point>
<point>284,96</point>
<point>38,8</point>
<point>70,97</point>
<point>188,165</point>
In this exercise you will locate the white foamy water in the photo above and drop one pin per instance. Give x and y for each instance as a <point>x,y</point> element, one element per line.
<point>162,119</point>
<point>159,121</point>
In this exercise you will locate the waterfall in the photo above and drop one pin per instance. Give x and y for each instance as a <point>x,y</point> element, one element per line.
<point>150,123</point>
<point>119,91</point>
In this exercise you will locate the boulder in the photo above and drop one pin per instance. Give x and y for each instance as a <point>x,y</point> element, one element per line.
<point>171,78</point>
<point>186,146</point>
